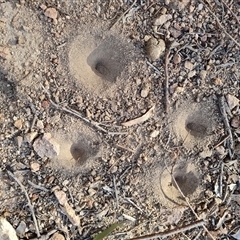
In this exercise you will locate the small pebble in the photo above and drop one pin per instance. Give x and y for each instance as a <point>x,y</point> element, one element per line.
<point>51,13</point>
<point>177,58</point>
<point>35,167</point>
<point>18,124</point>
<point>232,101</point>
<point>188,65</point>
<point>155,48</point>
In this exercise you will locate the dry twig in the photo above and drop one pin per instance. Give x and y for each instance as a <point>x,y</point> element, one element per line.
<point>166,80</point>
<point>38,187</point>
<point>220,24</point>
<point>29,202</point>
<point>123,14</point>
<point>231,11</point>
<point>77,114</point>
<point>186,199</point>
<point>152,66</point>
<point>226,123</point>
<point>115,189</point>
<point>171,232</point>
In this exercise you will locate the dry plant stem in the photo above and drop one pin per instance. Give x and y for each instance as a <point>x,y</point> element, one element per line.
<point>225,4</point>
<point>219,23</point>
<point>171,232</point>
<point>152,66</point>
<point>218,144</point>
<point>166,80</point>
<point>186,199</point>
<point>225,120</point>
<point>76,114</point>
<point>115,189</point>
<point>123,14</point>
<point>38,187</point>
<point>221,180</point>
<point>29,202</point>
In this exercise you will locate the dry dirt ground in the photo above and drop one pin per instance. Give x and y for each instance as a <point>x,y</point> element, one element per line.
<point>120,111</point>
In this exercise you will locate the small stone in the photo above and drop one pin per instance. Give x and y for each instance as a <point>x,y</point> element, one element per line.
<point>7,232</point>
<point>235,122</point>
<point>232,101</point>
<point>18,124</point>
<point>200,6</point>
<point>43,7</point>
<point>57,236</point>
<point>162,19</point>
<point>188,65</point>
<point>40,124</point>
<point>2,118</point>
<point>114,169</point>
<point>220,150</point>
<point>51,13</point>
<point>203,74</point>
<point>88,113</point>
<point>177,58</point>
<point>45,104</point>
<point>154,133</point>
<point>18,141</point>
<point>217,81</point>
<point>155,48</point>
<point>191,8</point>
<point>35,167</point>
<point>4,53</point>
<point>145,91</point>
<point>21,229</point>
<point>179,89</point>
<point>175,33</point>
<point>206,153</point>
<point>91,192</point>
<point>192,74</point>
<point>30,136</point>
<point>46,146</point>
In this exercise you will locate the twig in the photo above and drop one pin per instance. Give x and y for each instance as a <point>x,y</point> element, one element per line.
<point>186,199</point>
<point>226,123</point>
<point>219,23</point>
<point>29,202</point>
<point>115,189</point>
<point>218,144</point>
<point>38,187</point>
<point>123,14</point>
<point>166,80</point>
<point>152,66</point>
<point>231,11</point>
<point>171,232</point>
<point>124,148</point>
<point>77,114</point>
<point>135,205</point>
<point>198,235</point>
<point>33,122</point>
<point>221,180</point>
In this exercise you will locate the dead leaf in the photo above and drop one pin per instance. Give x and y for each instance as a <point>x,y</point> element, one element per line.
<point>66,208</point>
<point>141,119</point>
<point>162,19</point>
